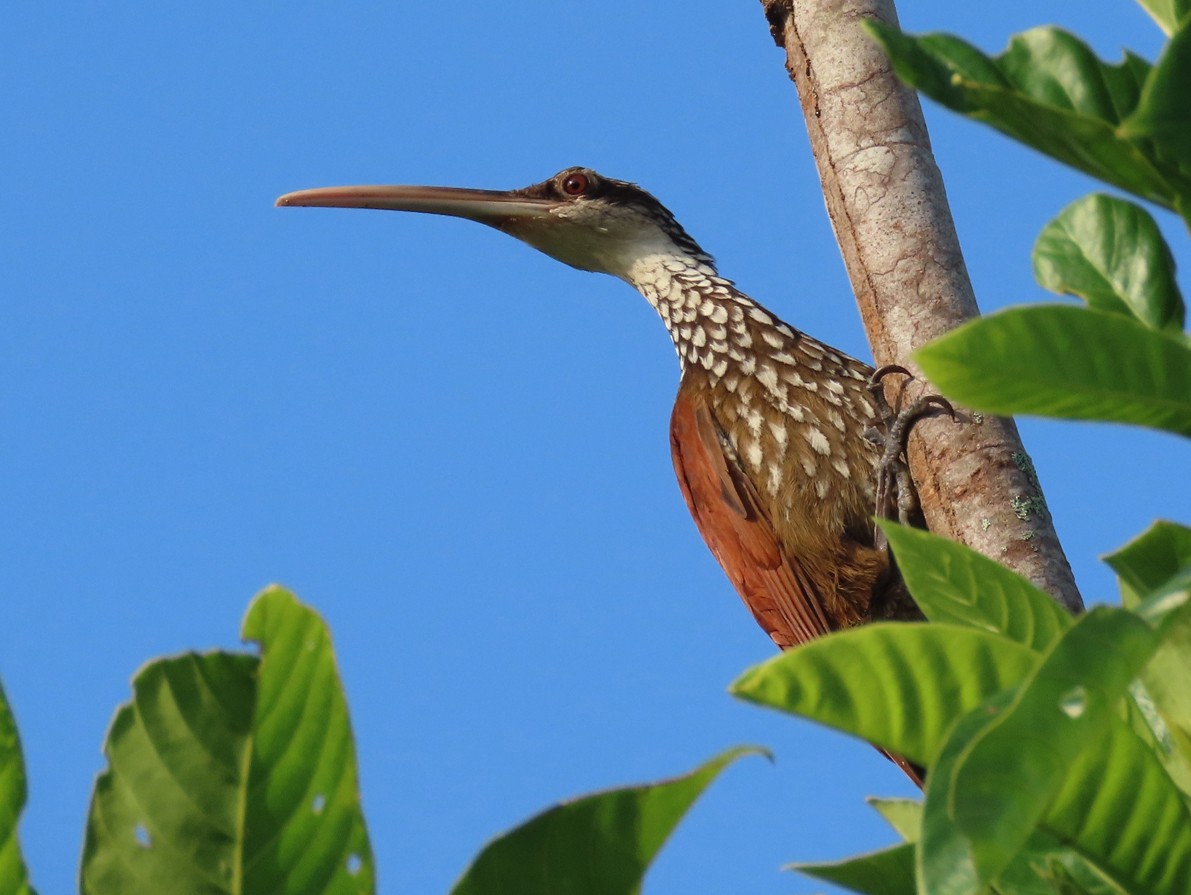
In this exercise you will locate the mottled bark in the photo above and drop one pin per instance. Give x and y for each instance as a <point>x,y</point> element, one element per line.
<point>887,204</point>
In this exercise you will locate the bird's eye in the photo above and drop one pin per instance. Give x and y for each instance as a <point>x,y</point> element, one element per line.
<point>575,184</point>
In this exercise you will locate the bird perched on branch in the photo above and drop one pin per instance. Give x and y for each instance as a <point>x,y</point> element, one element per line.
<point>769,432</point>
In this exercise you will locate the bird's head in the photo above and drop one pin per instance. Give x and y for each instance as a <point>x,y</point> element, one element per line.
<point>577,216</point>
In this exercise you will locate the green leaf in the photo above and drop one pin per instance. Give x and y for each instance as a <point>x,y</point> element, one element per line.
<point>904,815</point>
<point>898,685</point>
<point>1110,253</point>
<point>14,878</point>
<point>1165,678</point>
<point>1160,122</point>
<point>601,843</point>
<point>1045,866</point>
<point>954,584</point>
<point>886,872</point>
<point>229,773</point>
<point>1013,768</point>
<point>1047,90</point>
<point>1150,560</point>
<point>304,828</point>
<point>1067,362</point>
<point>1117,809</point>
<point>1167,13</point>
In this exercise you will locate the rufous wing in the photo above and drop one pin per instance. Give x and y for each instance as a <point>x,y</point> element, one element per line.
<point>731,518</point>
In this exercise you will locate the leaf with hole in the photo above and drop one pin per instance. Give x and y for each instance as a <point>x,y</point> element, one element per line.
<point>1013,768</point>
<point>229,773</point>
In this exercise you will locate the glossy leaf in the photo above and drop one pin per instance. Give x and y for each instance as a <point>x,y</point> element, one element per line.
<point>1165,679</point>
<point>229,773</point>
<point>1045,866</point>
<point>1012,769</point>
<point>598,843</point>
<point>1150,560</point>
<point>1116,808</point>
<point>886,872</point>
<point>1111,254</point>
<point>1160,121</point>
<point>955,584</point>
<point>1067,362</point>
<point>14,879</point>
<point>1167,13</point>
<point>932,673</point>
<point>1047,90</point>
<point>304,828</point>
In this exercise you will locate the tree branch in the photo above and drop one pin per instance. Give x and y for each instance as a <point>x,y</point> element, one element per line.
<point>887,204</point>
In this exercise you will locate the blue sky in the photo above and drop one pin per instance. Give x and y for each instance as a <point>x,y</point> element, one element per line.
<point>453,447</point>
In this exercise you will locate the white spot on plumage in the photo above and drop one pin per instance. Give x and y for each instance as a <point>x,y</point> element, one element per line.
<point>720,368</point>
<point>779,432</point>
<point>785,330</point>
<point>719,314</point>
<point>749,365</point>
<point>775,478</point>
<point>754,454</point>
<point>836,419</point>
<point>699,339</point>
<point>841,467</point>
<point>784,357</point>
<point>834,386</point>
<point>821,489</point>
<point>754,421</point>
<point>817,440</point>
<point>809,467</point>
<point>760,316</point>
<point>767,376</point>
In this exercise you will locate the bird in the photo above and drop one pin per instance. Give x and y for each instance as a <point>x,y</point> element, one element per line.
<point>771,430</point>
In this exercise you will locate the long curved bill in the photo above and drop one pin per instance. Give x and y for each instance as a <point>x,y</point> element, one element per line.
<point>494,207</point>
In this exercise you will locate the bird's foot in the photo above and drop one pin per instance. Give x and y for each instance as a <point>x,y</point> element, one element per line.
<point>896,497</point>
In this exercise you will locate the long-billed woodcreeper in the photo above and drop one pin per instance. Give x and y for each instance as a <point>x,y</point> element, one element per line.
<point>768,432</point>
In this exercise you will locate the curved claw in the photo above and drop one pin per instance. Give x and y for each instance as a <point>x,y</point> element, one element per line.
<point>878,390</point>
<point>881,372</point>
